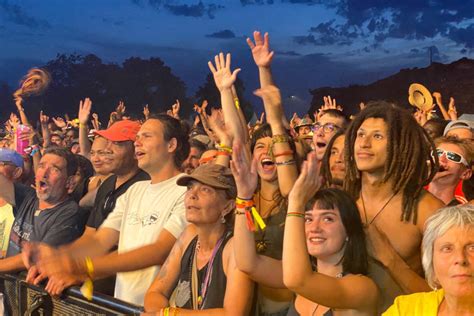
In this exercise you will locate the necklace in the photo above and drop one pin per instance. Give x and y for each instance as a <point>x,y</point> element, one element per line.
<point>367,223</point>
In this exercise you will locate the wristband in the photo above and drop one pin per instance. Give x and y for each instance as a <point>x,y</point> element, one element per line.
<point>295,214</point>
<point>237,103</point>
<point>222,147</point>
<point>284,153</point>
<point>285,163</point>
<point>282,138</point>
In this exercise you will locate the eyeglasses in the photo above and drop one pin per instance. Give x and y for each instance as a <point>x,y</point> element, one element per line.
<point>327,128</point>
<point>451,156</point>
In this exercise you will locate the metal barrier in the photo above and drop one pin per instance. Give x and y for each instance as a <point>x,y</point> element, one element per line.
<point>21,298</point>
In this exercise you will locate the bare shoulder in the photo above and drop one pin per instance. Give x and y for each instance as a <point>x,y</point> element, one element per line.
<point>186,236</point>
<point>363,284</point>
<point>228,255</point>
<point>427,206</point>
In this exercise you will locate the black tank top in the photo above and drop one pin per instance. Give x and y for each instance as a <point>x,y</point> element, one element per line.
<point>216,289</point>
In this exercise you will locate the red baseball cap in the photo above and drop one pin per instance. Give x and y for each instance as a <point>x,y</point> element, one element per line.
<point>121,131</point>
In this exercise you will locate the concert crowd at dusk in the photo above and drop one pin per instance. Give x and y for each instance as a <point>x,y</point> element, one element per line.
<point>318,214</point>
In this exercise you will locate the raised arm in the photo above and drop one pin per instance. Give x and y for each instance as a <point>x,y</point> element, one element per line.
<point>83,116</point>
<point>261,269</point>
<point>224,79</point>
<point>282,151</point>
<point>216,123</point>
<point>262,57</point>
<point>351,292</point>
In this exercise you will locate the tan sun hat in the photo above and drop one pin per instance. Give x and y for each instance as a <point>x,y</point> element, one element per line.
<point>419,96</point>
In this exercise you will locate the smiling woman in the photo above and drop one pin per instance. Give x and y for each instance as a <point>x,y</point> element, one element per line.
<point>448,261</point>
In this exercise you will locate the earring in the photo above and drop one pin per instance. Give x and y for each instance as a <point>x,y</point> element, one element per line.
<point>223,220</point>
<point>347,239</point>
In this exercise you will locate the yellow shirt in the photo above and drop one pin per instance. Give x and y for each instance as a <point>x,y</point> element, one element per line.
<point>6,222</point>
<point>417,304</point>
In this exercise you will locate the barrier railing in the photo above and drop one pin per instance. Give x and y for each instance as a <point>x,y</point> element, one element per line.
<point>21,298</point>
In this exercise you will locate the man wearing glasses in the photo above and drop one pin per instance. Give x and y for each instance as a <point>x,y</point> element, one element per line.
<point>455,158</point>
<point>324,129</point>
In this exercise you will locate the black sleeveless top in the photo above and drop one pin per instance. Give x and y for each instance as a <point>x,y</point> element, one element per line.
<point>269,242</point>
<point>218,281</point>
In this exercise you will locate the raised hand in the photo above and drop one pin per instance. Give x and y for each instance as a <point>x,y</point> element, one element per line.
<point>223,77</point>
<point>452,112</point>
<point>295,120</point>
<point>84,111</point>
<point>261,49</point>
<point>244,171</point>
<point>420,117</point>
<point>95,121</point>
<point>308,181</point>
<point>261,119</point>
<point>217,125</point>
<point>44,119</point>
<point>146,112</point>
<point>60,122</point>
<point>175,109</point>
<point>197,120</point>
<point>120,109</point>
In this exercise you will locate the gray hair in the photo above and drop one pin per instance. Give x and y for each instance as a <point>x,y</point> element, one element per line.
<point>436,226</point>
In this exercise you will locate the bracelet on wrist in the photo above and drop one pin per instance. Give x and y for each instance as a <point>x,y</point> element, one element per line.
<point>295,214</point>
<point>286,162</point>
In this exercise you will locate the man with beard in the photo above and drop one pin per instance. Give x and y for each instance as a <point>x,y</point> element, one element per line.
<point>455,158</point>
<point>49,216</point>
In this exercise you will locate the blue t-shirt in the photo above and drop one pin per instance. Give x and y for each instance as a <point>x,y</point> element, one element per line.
<point>55,226</point>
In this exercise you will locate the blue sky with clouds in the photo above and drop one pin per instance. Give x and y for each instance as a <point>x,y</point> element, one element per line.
<point>317,43</point>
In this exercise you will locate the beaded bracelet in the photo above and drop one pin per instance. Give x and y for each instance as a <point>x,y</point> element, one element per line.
<point>281,138</point>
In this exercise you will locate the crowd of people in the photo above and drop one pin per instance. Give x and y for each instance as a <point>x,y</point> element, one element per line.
<point>325,215</point>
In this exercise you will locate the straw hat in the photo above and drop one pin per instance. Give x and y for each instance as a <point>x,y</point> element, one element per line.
<point>420,97</point>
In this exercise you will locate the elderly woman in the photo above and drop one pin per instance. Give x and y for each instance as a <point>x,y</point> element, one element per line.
<point>448,261</point>
<point>200,276</point>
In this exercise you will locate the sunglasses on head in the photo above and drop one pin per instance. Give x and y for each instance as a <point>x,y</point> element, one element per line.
<point>452,156</point>
<point>327,128</point>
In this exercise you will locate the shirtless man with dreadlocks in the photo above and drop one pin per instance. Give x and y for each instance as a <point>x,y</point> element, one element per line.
<point>388,161</point>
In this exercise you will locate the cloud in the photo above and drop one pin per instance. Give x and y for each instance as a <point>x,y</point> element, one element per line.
<point>224,34</point>
<point>14,13</point>
<point>288,53</point>
<point>189,10</point>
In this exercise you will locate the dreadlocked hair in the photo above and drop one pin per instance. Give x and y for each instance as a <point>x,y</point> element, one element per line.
<point>409,160</point>
<point>35,82</point>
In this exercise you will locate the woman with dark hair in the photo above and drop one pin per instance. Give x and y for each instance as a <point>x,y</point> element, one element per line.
<point>327,225</point>
<point>266,186</point>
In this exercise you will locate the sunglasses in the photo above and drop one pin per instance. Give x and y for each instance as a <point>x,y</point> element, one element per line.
<point>452,156</point>
<point>327,128</point>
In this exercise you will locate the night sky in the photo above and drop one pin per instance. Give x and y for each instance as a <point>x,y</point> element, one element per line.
<point>317,43</point>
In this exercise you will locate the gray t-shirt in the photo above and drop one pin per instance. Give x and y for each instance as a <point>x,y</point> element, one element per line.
<point>54,226</point>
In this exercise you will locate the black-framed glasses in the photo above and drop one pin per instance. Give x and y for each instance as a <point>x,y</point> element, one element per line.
<point>327,128</point>
<point>451,156</point>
